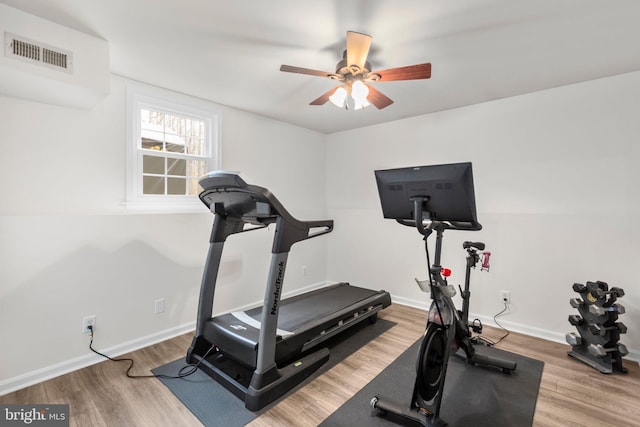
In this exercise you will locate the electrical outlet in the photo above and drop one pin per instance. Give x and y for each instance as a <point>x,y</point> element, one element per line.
<point>505,297</point>
<point>88,321</point>
<point>159,306</point>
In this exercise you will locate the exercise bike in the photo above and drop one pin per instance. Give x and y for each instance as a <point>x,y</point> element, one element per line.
<point>447,330</point>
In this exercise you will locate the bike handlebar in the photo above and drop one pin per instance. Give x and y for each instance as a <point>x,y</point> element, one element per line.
<point>446,225</point>
<point>475,245</point>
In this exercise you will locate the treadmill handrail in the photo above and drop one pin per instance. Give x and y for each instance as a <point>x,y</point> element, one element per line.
<point>326,226</point>
<point>228,195</point>
<point>288,233</point>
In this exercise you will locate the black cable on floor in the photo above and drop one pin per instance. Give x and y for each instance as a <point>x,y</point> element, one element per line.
<point>488,342</point>
<point>181,374</point>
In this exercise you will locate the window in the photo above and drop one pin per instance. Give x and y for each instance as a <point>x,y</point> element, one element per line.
<point>173,140</point>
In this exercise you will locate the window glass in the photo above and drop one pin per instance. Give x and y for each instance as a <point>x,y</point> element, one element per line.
<point>172,145</point>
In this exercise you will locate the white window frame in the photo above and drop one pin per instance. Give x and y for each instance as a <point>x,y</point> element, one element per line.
<point>140,96</point>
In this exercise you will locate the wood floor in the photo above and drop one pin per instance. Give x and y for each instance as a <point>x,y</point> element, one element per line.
<point>571,393</point>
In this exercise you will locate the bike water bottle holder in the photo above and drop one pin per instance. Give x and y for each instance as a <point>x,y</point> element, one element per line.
<point>448,290</point>
<point>440,308</point>
<point>423,285</point>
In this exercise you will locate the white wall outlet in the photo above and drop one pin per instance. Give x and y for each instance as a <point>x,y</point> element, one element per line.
<point>505,297</point>
<point>88,321</point>
<point>159,305</point>
<point>304,270</point>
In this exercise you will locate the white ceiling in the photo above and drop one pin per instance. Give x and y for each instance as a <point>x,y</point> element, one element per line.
<point>230,52</point>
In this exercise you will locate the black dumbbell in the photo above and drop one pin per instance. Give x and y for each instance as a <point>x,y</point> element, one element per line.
<point>599,351</point>
<point>597,289</point>
<point>598,329</point>
<point>573,339</point>
<point>597,310</point>
<point>576,302</point>
<point>576,320</point>
<point>618,292</point>
<point>579,287</point>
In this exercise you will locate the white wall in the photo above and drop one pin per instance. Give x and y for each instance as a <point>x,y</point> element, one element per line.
<point>556,176</point>
<point>68,248</point>
<point>555,184</point>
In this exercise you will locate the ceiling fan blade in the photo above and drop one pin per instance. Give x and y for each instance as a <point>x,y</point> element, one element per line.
<point>358,45</point>
<point>300,70</point>
<point>410,72</point>
<point>377,98</point>
<point>322,99</point>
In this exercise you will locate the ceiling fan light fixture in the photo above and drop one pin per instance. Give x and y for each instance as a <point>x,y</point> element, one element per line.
<point>339,97</point>
<point>352,95</point>
<point>359,93</point>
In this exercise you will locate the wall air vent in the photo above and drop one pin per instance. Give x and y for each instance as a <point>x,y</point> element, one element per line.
<point>46,62</point>
<point>37,53</point>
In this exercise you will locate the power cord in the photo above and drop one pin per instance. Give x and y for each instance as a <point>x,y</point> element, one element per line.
<point>482,340</point>
<point>476,326</point>
<point>181,374</point>
<point>495,319</point>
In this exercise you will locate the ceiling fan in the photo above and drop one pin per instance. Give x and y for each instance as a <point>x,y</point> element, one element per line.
<point>355,75</point>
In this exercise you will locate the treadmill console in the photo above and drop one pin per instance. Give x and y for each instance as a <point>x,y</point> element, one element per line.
<point>226,193</point>
<point>221,180</point>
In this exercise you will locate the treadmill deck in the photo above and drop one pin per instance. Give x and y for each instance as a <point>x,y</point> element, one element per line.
<point>304,321</point>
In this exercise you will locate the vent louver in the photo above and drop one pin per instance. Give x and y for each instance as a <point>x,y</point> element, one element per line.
<point>38,53</point>
<point>52,57</point>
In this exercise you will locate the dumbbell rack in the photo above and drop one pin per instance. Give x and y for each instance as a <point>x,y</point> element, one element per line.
<point>599,332</point>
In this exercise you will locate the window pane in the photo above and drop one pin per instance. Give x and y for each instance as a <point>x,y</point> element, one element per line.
<point>176,186</point>
<point>170,120</point>
<point>193,187</point>
<point>152,129</point>
<point>174,133</point>
<point>191,128</point>
<point>156,117</point>
<point>176,167</point>
<point>151,117</point>
<point>197,168</point>
<point>195,137</point>
<point>152,185</point>
<point>175,147</point>
<point>195,146</point>
<point>151,144</point>
<point>152,164</point>
<point>173,124</point>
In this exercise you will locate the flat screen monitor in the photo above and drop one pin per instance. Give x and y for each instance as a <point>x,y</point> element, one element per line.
<point>447,189</point>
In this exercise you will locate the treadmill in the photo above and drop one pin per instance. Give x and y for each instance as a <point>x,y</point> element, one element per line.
<point>262,353</point>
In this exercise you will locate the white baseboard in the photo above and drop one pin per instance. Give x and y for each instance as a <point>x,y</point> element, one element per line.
<point>422,305</point>
<point>39,375</point>
<point>633,356</point>
<point>46,373</point>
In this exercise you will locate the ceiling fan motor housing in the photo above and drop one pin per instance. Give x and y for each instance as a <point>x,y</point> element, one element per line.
<point>343,68</point>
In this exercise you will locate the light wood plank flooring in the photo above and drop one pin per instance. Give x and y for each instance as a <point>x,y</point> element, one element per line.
<point>571,393</point>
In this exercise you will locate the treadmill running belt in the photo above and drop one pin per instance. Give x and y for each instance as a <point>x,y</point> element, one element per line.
<point>299,310</point>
